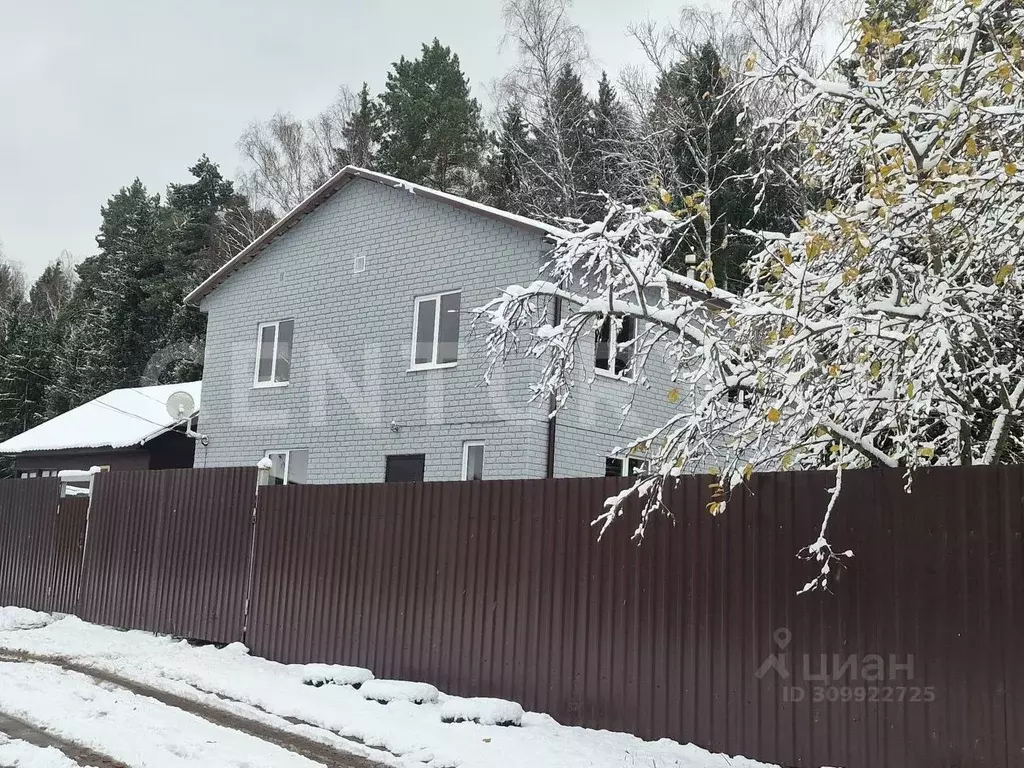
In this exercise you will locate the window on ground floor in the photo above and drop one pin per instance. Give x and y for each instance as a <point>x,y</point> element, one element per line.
<point>288,466</point>
<point>405,468</point>
<point>615,466</point>
<point>473,460</point>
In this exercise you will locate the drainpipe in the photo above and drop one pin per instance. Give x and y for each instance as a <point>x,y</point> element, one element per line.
<point>551,405</point>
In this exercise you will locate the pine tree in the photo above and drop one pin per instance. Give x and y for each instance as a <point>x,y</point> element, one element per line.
<point>504,175</point>
<point>611,129</point>
<point>362,131</point>
<point>565,152</point>
<point>82,367</point>
<point>196,213</point>
<point>710,172</point>
<point>119,303</point>
<point>432,132</point>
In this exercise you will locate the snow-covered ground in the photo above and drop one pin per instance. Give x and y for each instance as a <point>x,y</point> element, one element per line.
<point>141,731</point>
<point>17,753</point>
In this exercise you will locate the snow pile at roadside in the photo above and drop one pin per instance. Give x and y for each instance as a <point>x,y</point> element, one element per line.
<point>387,691</point>
<point>414,733</point>
<point>333,674</point>
<point>14,618</point>
<point>481,710</point>
<point>15,752</point>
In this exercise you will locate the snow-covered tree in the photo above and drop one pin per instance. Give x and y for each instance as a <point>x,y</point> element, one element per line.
<point>886,330</point>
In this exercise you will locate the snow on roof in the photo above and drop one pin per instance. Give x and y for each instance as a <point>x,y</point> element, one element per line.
<point>334,184</point>
<point>118,419</point>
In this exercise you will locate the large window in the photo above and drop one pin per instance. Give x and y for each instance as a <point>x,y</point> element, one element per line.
<point>435,333</point>
<point>473,460</point>
<point>287,466</point>
<point>274,354</point>
<point>614,346</point>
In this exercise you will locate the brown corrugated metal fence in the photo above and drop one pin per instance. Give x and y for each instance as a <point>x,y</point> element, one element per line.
<point>27,525</point>
<point>912,660</point>
<point>168,551</point>
<point>501,589</point>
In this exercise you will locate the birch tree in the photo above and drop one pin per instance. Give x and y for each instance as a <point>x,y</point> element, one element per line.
<point>287,158</point>
<point>886,330</point>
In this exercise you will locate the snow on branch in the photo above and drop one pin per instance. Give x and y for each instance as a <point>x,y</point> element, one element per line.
<point>887,329</point>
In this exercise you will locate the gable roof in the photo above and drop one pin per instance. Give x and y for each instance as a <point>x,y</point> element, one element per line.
<point>119,419</point>
<point>333,185</point>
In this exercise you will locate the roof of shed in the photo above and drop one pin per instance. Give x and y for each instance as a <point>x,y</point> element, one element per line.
<point>119,419</point>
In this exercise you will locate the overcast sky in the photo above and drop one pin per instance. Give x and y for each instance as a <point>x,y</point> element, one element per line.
<point>97,93</point>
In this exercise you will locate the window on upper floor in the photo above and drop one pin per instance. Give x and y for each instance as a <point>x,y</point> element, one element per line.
<point>435,332</point>
<point>273,354</point>
<point>614,346</point>
<point>288,466</point>
<point>615,466</point>
<point>473,460</point>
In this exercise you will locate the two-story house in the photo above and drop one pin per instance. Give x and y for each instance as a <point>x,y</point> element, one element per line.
<point>341,346</point>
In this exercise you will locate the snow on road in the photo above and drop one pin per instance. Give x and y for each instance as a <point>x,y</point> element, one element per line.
<point>398,733</point>
<point>15,752</point>
<point>129,728</point>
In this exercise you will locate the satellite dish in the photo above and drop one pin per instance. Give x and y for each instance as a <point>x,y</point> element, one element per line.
<point>180,405</point>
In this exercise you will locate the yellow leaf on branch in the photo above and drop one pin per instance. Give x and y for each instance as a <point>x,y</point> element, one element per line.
<point>1004,272</point>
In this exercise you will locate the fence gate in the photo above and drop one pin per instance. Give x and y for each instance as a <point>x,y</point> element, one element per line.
<point>169,551</point>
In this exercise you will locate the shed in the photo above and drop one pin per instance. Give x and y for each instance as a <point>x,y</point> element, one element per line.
<point>122,430</point>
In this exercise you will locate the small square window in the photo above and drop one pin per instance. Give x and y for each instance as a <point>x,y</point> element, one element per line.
<point>288,467</point>
<point>359,264</point>
<point>614,346</point>
<point>473,460</point>
<point>274,354</point>
<point>435,336</point>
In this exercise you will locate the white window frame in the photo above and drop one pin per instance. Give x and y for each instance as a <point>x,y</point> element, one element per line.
<point>613,348</point>
<point>465,455</point>
<point>359,264</point>
<point>433,364</point>
<point>287,460</point>
<point>626,462</point>
<point>276,325</point>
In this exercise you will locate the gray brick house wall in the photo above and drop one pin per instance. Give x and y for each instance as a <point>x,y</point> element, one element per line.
<point>592,425</point>
<point>352,399</point>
